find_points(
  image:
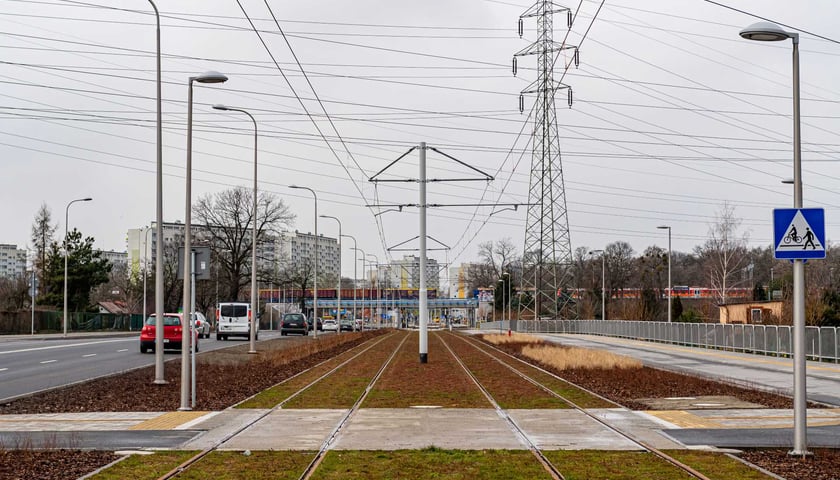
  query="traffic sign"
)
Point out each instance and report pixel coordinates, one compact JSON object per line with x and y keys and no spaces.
{"x":799,"y":233}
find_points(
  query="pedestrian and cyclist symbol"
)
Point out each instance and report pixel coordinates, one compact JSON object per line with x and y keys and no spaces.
{"x":799,"y":233}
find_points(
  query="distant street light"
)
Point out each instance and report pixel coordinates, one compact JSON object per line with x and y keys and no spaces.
{"x":254,"y":299}
{"x":770,"y":32}
{"x":145,"y":268}
{"x":356,"y":260}
{"x":378,"y":291}
{"x":670,"y":287}
{"x":315,"y":282}
{"x":66,"y":220}
{"x":355,"y":277}
{"x":603,"y":282}
{"x":186,"y":338}
{"x":338,"y":287}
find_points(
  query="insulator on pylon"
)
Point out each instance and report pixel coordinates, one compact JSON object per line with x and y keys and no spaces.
{"x":569,"y":18}
{"x":521,"y":28}
{"x":521,"y":103}
{"x":514,"y":66}
{"x":570,"y":97}
{"x":577,"y":58}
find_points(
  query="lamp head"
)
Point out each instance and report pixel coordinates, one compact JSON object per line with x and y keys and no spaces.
{"x":293,"y":186}
{"x":787,"y":181}
{"x":219,"y":106}
{"x":663,"y":227}
{"x":87,"y":199}
{"x":765,"y":32}
{"x":211,"y":77}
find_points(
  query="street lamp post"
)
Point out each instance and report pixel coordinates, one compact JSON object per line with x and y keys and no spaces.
{"x":770,"y":32}
{"x":338,"y":284}
{"x":159,"y":293}
{"x":186,"y":338}
{"x":315,"y":282}
{"x":363,"y":274}
{"x":378,"y":286}
{"x":603,"y":282}
{"x":355,"y":276}
{"x":670,"y":286}
{"x":145,"y":267}
{"x":66,"y":220}
{"x":254,"y":291}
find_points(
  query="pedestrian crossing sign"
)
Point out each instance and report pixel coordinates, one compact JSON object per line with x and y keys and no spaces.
{"x":799,"y":233}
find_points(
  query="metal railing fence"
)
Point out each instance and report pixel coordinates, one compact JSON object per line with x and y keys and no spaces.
{"x":821,"y":343}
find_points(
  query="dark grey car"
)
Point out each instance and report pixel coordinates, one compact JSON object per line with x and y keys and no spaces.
{"x":294,"y":323}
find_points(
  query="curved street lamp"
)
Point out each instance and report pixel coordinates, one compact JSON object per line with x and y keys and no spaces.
{"x":186,"y":338}
{"x":66,"y":220}
{"x":254,"y":299}
{"x":770,"y":32}
{"x":670,"y":286}
{"x":315,"y":276}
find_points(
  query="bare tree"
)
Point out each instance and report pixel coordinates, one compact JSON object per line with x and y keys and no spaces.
{"x":43,"y":231}
{"x":619,"y":265}
{"x":14,"y":293}
{"x":123,"y":285}
{"x":724,"y":253}
{"x":229,"y":218}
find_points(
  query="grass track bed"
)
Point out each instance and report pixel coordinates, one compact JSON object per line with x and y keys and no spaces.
{"x":269,"y":398}
{"x":407,"y":382}
{"x":342,"y":389}
{"x":613,"y":465}
{"x":259,"y":465}
{"x":145,"y":467}
{"x":505,"y":386}
{"x":431,"y":463}
{"x":716,"y":465}
{"x":566,"y":390}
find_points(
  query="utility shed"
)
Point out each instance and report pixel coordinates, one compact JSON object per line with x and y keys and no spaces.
{"x":750,"y":312}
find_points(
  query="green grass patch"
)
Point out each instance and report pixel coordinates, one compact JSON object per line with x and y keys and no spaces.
{"x":259,"y":465}
{"x":716,"y":465}
{"x":343,"y":388}
{"x":142,"y":467}
{"x":430,"y":463}
{"x":271,"y":397}
{"x":614,"y":465}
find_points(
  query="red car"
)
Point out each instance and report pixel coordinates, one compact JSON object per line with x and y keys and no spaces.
{"x":172,"y":333}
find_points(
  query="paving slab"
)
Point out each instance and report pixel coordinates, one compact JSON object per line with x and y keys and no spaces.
{"x":748,"y":418}
{"x":294,"y":429}
{"x":639,"y":425}
{"x":413,"y":428}
{"x":567,"y":429}
{"x":88,"y":421}
{"x":219,"y":425}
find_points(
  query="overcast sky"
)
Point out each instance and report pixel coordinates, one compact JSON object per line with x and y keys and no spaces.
{"x":674,"y":114}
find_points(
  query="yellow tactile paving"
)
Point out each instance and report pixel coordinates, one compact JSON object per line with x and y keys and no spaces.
{"x":168,"y":421}
{"x":684,"y":419}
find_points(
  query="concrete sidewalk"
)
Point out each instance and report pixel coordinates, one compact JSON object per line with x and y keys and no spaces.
{"x":411,"y":428}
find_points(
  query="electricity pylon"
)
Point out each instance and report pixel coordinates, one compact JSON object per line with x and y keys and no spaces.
{"x":547,"y":256}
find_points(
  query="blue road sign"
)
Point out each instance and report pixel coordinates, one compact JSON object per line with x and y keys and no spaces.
{"x":799,"y":233}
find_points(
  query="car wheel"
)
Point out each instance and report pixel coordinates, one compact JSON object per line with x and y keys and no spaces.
{"x":257,"y":336}
{"x":196,"y":345}
{"x":143,"y":349}
{"x":282,"y":334}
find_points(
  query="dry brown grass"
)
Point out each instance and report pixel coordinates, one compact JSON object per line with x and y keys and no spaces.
{"x":503,"y":339}
{"x":562,"y":357}
{"x":567,"y":358}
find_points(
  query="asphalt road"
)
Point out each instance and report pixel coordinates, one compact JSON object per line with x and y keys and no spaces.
{"x":30,"y":365}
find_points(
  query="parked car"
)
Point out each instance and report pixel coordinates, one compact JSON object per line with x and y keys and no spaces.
{"x":330,"y":325}
{"x":346,"y":325}
{"x":172,"y":333}
{"x":294,"y":323}
{"x":319,"y":322}
{"x":202,"y":326}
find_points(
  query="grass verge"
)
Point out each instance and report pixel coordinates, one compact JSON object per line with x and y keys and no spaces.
{"x":270,"y":397}
{"x":716,"y":465}
{"x":430,"y":463}
{"x":143,"y":467}
{"x":563,"y":357}
{"x":259,"y":465}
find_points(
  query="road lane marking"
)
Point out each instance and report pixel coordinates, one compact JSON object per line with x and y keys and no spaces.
{"x":3,"y":369}
{"x":123,"y":350}
{"x":49,"y":361}
{"x":132,"y":339}
{"x":89,"y":355}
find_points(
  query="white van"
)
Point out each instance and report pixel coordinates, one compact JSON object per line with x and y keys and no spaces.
{"x":233,"y":319}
